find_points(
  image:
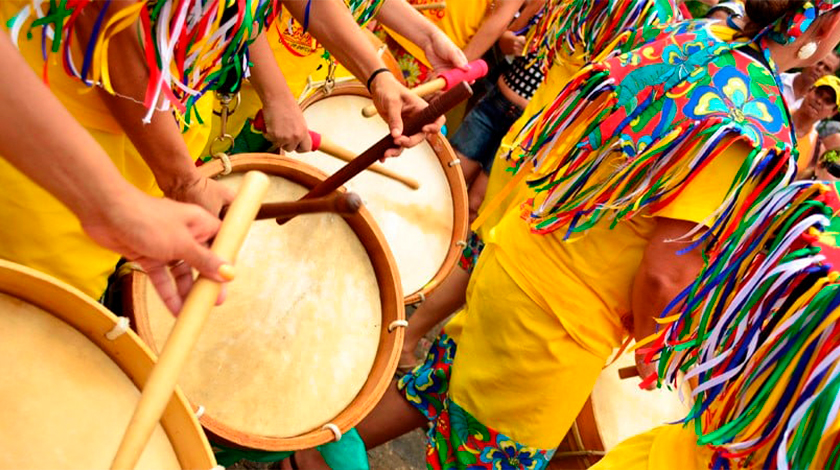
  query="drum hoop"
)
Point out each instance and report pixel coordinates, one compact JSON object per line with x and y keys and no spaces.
{"x":457,"y":187}
{"x":390,"y":343}
{"x":126,"y":350}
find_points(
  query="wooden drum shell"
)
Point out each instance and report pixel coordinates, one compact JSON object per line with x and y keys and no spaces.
{"x":389,"y":346}
{"x":451,"y":170}
{"x":127,"y":351}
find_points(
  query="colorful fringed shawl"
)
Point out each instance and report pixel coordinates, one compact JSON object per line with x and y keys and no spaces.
{"x":760,"y":332}
{"x":628,"y":133}
{"x":191,"y":46}
{"x":589,"y":28}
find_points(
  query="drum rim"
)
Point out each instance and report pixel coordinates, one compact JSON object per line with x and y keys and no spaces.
{"x":390,"y":343}
{"x":127,"y":351}
{"x":457,"y":188}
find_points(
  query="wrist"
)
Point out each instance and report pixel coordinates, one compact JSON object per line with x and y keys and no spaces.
{"x":176,"y":183}
{"x":377,"y":77}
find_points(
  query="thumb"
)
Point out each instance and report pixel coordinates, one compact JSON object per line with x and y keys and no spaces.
{"x":395,"y":122}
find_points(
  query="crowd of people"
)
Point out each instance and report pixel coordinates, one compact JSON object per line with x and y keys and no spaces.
{"x":631,"y":175}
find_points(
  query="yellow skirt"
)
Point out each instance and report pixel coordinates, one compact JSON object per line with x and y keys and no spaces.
{"x":517,"y":370}
{"x":663,"y":448}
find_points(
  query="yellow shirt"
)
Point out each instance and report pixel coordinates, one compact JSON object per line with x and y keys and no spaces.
{"x":586,"y":283}
{"x":556,"y":79}
{"x":37,"y":230}
{"x":460,"y":21}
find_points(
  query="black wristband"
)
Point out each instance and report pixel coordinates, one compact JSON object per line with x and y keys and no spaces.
{"x":374,"y":74}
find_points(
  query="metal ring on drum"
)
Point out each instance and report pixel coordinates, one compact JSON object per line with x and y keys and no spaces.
{"x":301,"y":347}
{"x":72,"y":376}
{"x":422,"y":226}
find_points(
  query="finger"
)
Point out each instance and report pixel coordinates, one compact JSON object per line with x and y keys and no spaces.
{"x":207,"y":263}
{"x":305,"y":145}
{"x":222,"y":295}
{"x":162,"y":282}
{"x":182,"y":273}
{"x":395,"y":123}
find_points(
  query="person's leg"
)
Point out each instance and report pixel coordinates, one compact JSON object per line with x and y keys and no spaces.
{"x":469,"y":167}
{"x":441,"y":303}
{"x":392,"y":417}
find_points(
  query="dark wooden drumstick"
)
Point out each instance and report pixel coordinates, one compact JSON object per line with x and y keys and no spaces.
{"x":412,"y":125}
{"x":341,"y":203}
{"x":628,"y":372}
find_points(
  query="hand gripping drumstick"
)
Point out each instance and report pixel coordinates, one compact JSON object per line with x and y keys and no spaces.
{"x":162,"y":381}
{"x":413,"y":125}
{"x":445,"y":81}
{"x":325,"y":145}
{"x":340,"y":203}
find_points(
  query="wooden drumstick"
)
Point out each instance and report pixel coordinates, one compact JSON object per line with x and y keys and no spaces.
{"x":412,"y":125}
{"x":475,"y":70}
{"x":340,"y":203}
{"x":430,"y":6}
{"x":323,"y":144}
{"x":163,"y":378}
{"x":319,"y":142}
{"x":628,"y":372}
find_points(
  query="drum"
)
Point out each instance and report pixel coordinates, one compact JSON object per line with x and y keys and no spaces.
{"x":308,"y":339}
{"x":617,"y":410}
{"x":71,"y":380}
{"x":423,"y":227}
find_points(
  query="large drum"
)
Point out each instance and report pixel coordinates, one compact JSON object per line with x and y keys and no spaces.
{"x":617,"y":410}
{"x":308,"y":338}
{"x":423,"y":227}
{"x":71,"y":380}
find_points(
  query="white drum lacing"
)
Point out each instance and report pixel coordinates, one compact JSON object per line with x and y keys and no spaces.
{"x":118,"y":330}
{"x":332,"y":427}
{"x":397,"y":324}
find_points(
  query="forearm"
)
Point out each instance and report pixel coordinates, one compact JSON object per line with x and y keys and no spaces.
{"x":40,"y":138}
{"x":332,"y":25}
{"x":491,"y":29}
{"x":266,"y":76}
{"x":159,"y":142}
{"x":406,"y":21}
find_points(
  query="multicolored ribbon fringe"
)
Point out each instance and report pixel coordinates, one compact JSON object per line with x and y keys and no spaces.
{"x":191,"y":46}
{"x":589,"y":28}
{"x":760,"y":333}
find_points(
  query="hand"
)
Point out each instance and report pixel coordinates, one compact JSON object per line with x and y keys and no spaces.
{"x":443,"y":54}
{"x":645,"y":370}
{"x":157,"y":232}
{"x":392,"y":100}
{"x":287,"y":128}
{"x":202,"y":191}
{"x":511,"y":44}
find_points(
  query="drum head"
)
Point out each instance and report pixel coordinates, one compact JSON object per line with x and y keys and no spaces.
{"x":297,"y":343}
{"x":69,"y":392}
{"x":422,"y":226}
{"x":623,"y":410}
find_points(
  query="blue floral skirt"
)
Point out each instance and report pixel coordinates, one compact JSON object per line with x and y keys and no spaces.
{"x":456,"y":439}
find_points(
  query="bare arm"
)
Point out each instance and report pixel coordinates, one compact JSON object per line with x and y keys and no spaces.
{"x":662,"y":275}
{"x":284,"y":121}
{"x":335,"y":28}
{"x":441,"y":52}
{"x":492,"y":28}
{"x":159,"y":142}
{"x":40,"y":138}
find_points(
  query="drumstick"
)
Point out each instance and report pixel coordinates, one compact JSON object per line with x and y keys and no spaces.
{"x":475,"y":70}
{"x":413,"y":124}
{"x":430,"y":6}
{"x":324,"y":144}
{"x":319,"y":142}
{"x":628,"y":372}
{"x":164,"y":376}
{"x":340,"y":203}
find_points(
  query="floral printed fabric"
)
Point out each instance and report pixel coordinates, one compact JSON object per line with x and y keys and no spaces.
{"x":414,"y":72}
{"x":456,"y":439}
{"x":469,"y":255}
